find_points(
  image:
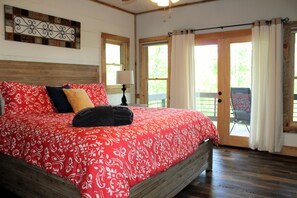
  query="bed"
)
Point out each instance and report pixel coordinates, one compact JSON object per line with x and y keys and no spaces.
{"x":156,"y":156}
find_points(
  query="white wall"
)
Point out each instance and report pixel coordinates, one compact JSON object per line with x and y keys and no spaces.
{"x":217,"y":13}
{"x":94,"y":18}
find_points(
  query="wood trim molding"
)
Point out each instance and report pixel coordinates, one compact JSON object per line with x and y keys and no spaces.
{"x":112,"y":6}
{"x":289,"y":150}
{"x":115,"y":37}
{"x":136,"y":91}
{"x":154,"y":39}
{"x":143,"y":74}
{"x":175,"y":6}
{"x":288,"y":75}
{"x":211,"y":38}
{"x":154,"y":10}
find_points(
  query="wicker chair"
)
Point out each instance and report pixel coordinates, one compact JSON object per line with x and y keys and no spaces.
{"x":241,"y":106}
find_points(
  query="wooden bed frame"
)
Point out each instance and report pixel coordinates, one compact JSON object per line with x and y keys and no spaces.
{"x":31,"y":181}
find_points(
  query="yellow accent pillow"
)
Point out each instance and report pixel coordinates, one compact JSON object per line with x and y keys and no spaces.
{"x":78,"y":99}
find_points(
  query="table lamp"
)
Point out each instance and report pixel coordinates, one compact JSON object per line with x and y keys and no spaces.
{"x":125,"y":77}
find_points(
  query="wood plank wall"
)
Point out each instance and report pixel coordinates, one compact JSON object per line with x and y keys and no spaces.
{"x":40,"y":73}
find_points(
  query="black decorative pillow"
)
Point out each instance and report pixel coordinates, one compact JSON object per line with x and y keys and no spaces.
{"x":59,"y":98}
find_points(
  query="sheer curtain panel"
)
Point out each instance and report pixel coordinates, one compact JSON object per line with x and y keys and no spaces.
{"x":182,"y":85}
{"x":267,"y":105}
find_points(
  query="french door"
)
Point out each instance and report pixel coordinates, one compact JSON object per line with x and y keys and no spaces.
{"x":223,"y":63}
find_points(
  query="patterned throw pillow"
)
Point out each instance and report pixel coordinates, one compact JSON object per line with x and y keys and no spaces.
{"x":78,"y":98}
{"x":21,"y":99}
{"x":96,"y":92}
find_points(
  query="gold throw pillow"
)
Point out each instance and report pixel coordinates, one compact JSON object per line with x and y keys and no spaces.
{"x":78,"y":99}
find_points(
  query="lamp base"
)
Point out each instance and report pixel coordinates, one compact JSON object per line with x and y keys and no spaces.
{"x":124,"y":100}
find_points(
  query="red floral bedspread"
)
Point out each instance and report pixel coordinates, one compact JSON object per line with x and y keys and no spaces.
{"x":106,"y":161}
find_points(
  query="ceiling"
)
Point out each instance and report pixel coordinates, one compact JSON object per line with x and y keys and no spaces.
{"x":142,"y":6}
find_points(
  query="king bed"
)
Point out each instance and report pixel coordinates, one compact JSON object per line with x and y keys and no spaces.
{"x":43,"y":155}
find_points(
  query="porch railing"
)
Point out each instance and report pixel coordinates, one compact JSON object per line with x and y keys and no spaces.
{"x":157,"y":100}
{"x":295,"y":108}
{"x":207,"y":104}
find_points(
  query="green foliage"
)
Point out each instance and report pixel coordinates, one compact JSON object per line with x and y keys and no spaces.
{"x":206,"y":59}
{"x":240,"y":69}
{"x":206,"y":68}
{"x":158,"y":61}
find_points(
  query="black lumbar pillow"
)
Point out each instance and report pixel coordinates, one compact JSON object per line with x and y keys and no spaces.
{"x":59,"y":98}
{"x":103,"y":116}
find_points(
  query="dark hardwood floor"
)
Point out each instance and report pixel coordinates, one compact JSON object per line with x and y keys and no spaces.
{"x":241,"y":173}
{"x":246,"y":173}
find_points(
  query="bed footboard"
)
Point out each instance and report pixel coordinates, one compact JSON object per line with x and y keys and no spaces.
{"x":173,"y":180}
{"x":31,"y":181}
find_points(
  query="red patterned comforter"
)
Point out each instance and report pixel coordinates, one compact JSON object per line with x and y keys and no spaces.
{"x":106,"y":161}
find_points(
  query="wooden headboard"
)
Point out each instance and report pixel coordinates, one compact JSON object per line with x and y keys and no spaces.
{"x":39,"y":73}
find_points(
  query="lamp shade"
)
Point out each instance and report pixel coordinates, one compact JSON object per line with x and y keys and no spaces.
{"x":125,"y":77}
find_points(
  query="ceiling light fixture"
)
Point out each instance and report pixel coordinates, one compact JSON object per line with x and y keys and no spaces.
{"x":164,"y":3}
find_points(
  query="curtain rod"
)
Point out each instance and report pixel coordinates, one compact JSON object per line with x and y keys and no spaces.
{"x":285,"y":20}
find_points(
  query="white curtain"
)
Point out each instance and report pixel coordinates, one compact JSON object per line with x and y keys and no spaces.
{"x":267,"y":104}
{"x":182,"y":85}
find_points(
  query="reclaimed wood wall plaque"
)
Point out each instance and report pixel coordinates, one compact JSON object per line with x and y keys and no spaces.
{"x":33,"y":27}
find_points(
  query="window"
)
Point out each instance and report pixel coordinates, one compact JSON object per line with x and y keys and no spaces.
{"x":114,"y":57}
{"x":290,"y":77}
{"x":154,"y":72}
{"x":157,"y":75}
{"x":113,"y":63}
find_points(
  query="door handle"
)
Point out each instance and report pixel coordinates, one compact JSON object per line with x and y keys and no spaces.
{"x":220,"y":93}
{"x":219,"y":100}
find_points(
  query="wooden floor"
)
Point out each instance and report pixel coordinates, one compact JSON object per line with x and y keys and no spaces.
{"x":246,"y":173}
{"x":242,"y":173}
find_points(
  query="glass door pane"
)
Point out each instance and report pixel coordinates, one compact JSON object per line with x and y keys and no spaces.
{"x":206,"y":80}
{"x":240,"y":84}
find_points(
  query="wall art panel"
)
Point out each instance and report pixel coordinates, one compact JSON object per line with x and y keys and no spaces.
{"x":32,"y":27}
